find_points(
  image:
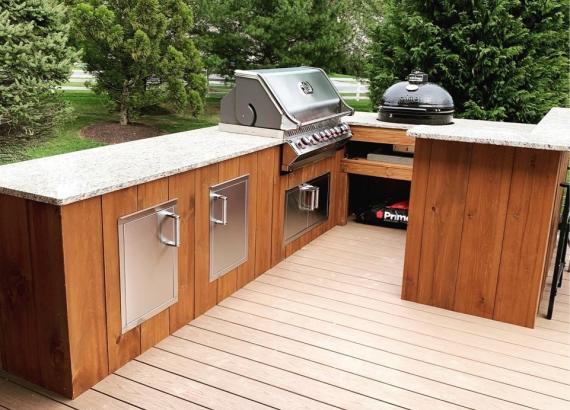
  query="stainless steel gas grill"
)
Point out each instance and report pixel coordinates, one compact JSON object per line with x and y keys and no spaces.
{"x":299,"y":105}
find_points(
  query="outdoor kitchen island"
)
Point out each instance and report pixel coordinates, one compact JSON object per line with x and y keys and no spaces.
{"x":73,"y":226}
{"x":484,"y":211}
{"x":60,"y":298}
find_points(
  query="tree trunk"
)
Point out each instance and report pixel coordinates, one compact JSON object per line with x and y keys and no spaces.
{"x":124,"y":104}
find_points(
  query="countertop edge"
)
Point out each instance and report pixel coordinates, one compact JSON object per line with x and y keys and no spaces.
{"x":498,"y":142}
{"x":548,"y":134}
{"x":127,"y":184}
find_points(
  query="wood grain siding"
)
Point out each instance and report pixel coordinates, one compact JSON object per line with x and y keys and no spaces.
{"x":121,"y":347}
{"x":248,"y":166}
{"x":479,"y":228}
{"x":483,"y":228}
{"x":182,"y":188}
{"x":157,"y":327}
{"x":268,"y":162}
{"x":361,"y":166}
{"x":18,"y":325}
{"x":443,"y":222}
{"x":341,"y":216}
{"x":416,"y":215}
{"x":206,"y":293}
{"x":85,"y":286}
{"x":381,"y":135}
{"x":529,"y":213}
{"x":46,"y":244}
{"x":280,"y":185}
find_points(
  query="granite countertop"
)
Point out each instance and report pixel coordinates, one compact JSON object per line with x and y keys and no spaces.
{"x":370,"y":119}
{"x":479,"y":132}
{"x":551,"y":133}
{"x":68,"y":178}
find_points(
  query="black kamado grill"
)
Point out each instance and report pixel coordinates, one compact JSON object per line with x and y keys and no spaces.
{"x":416,"y":101}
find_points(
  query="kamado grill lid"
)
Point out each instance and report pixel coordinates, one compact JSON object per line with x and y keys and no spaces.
{"x":416,"y":101}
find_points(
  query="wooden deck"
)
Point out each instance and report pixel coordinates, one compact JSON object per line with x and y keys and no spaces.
{"x":327,"y":328}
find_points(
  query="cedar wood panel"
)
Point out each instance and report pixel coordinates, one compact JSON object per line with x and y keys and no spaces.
{"x":479,"y":227}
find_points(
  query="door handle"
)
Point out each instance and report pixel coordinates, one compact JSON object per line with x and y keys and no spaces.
{"x":316,"y":192}
{"x":176,"y":219}
{"x":308,"y":197}
{"x":224,"y":199}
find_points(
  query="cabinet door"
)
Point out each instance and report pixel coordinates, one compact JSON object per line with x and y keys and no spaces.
{"x":296,"y":217}
{"x":148,"y":249}
{"x":228,"y":226}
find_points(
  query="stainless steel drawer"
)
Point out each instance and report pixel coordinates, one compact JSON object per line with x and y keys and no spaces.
{"x":228,"y":226}
{"x":148,"y":251}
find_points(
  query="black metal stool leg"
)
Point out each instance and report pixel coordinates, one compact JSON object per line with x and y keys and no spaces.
{"x":560,"y":252}
{"x":563,"y":258}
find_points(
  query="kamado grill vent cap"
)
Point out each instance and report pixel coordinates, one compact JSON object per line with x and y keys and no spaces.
{"x":416,"y":101}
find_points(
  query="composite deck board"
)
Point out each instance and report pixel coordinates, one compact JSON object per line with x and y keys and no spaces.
{"x":401,"y":330}
{"x":326,"y":328}
{"x":371,"y":346}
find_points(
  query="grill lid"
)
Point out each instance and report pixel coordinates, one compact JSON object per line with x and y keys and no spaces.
{"x":416,"y":101}
{"x":282,"y":98}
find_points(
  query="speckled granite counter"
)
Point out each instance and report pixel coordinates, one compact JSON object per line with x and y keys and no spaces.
{"x":479,"y":132}
{"x":370,"y":119}
{"x":68,"y":178}
{"x":551,"y":133}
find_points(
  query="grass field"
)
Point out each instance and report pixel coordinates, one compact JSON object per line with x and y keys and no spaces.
{"x":91,"y":108}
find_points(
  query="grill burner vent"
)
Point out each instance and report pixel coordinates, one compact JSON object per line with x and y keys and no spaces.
{"x":416,"y":101}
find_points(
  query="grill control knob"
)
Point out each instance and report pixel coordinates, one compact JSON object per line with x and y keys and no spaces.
{"x":338,"y":130}
{"x":300,"y":144}
{"x":316,"y":137}
{"x":328,"y":133}
{"x":306,"y":140}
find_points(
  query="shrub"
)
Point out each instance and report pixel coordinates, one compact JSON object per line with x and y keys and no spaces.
{"x":499,"y":59}
{"x":34,"y":60}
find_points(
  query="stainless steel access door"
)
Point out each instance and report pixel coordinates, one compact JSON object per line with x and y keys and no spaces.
{"x":306,"y":205}
{"x":148,"y":252}
{"x":228,"y":226}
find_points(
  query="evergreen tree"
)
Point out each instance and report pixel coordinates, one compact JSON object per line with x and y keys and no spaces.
{"x":258,"y":33}
{"x":499,"y":59}
{"x":34,"y":60}
{"x":141,"y":53}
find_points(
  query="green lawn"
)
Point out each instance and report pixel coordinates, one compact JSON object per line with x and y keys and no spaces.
{"x":362,"y":105}
{"x":90,"y":108}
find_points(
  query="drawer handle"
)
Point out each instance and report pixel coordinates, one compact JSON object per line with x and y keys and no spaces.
{"x":176,"y":219}
{"x":224,"y":199}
